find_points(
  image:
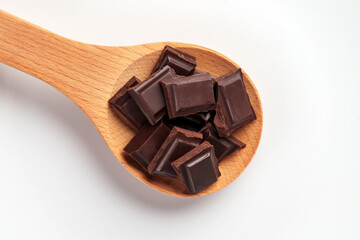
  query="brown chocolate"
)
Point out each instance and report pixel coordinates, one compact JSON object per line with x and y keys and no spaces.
{"x":188,"y":95}
{"x":198,"y":168}
{"x":223,"y":145}
{"x":149,"y":96}
{"x":181,"y":62}
{"x":178,"y":142}
{"x":233,"y":107}
{"x":143,"y":147}
{"x":125,"y":106}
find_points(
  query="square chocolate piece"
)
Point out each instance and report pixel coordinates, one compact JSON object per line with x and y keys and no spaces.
{"x":189,"y":95}
{"x":181,"y":62}
{"x":223,"y":146}
{"x":233,"y":107}
{"x":179,"y":142}
{"x":149,"y":96}
{"x":143,"y":147}
{"x":198,"y":168}
{"x":124,"y":105}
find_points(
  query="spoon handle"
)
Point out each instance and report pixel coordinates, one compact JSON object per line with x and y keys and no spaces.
{"x":80,"y":71}
{"x":34,"y":50}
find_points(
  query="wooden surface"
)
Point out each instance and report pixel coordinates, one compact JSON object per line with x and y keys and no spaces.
{"x":89,"y":75}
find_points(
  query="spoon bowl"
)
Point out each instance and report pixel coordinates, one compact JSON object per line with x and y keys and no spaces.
{"x":90,"y":75}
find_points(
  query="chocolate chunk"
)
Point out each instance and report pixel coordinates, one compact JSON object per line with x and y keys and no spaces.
{"x":233,"y":107}
{"x":181,"y":62}
{"x":198,"y":168}
{"x":124,"y":105}
{"x":223,"y":146}
{"x":149,"y":96}
{"x":189,"y":95}
{"x":193,"y":122}
{"x":143,"y":147}
{"x":178,"y":142}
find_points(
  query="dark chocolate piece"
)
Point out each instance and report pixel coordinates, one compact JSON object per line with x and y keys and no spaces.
{"x":143,"y":147}
{"x":192,"y":122}
{"x":124,"y":105}
{"x":149,"y":96}
{"x":223,"y":146}
{"x":233,"y":107}
{"x":198,"y":168}
{"x":189,"y":95}
{"x":181,"y":62}
{"x":179,"y":142}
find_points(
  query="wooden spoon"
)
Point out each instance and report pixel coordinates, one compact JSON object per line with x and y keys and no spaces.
{"x":90,"y":74}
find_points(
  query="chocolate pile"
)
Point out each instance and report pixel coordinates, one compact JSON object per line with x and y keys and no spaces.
{"x":184,"y":118}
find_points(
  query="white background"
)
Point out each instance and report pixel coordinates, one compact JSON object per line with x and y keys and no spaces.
{"x":58,"y":179}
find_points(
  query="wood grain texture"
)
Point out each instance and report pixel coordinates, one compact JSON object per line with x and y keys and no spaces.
{"x":90,"y":74}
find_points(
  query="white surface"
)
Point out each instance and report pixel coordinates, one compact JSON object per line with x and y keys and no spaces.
{"x":58,"y":179}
